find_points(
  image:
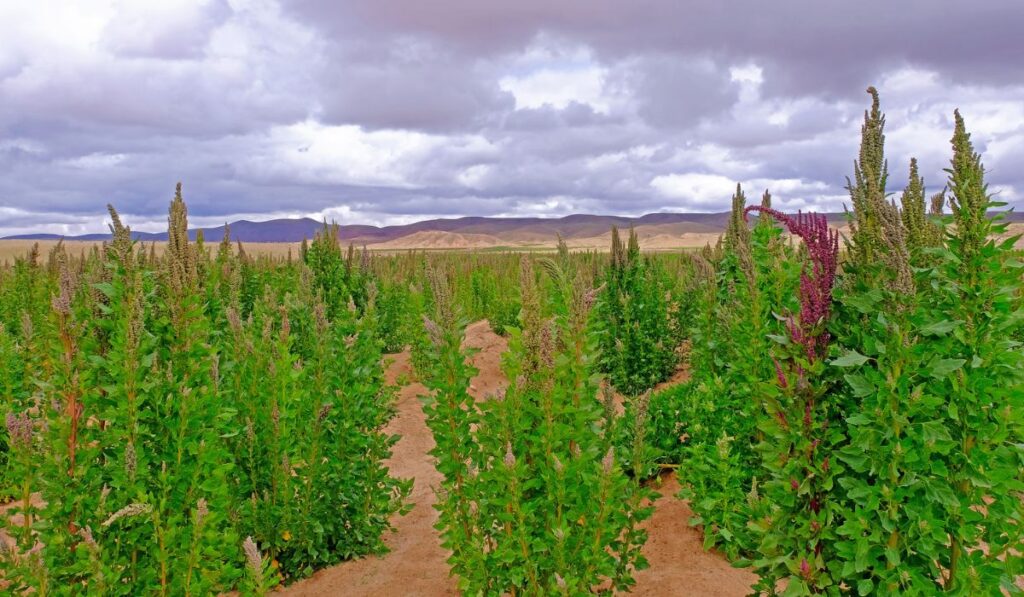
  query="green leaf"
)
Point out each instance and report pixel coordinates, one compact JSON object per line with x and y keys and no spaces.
{"x":943,"y":367}
{"x":934,"y":431}
{"x":865,"y":586}
{"x":941,"y":493}
{"x":106,"y":288}
{"x":859,"y":384}
{"x":864,"y":302}
{"x":852,"y":358}
{"x":859,"y":419}
{"x":860,"y":558}
{"x":939,"y":328}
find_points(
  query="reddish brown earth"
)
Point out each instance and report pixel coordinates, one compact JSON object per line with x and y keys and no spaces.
{"x":416,"y":566}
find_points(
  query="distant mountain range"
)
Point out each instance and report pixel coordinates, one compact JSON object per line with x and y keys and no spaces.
{"x":294,"y":230}
{"x":492,"y":230}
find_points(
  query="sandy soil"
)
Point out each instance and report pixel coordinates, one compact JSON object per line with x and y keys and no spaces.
{"x":416,"y":566}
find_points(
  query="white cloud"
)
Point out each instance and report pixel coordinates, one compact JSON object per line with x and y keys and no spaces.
{"x":700,"y":190}
{"x":95,"y":161}
{"x":558,"y":87}
{"x":312,"y":153}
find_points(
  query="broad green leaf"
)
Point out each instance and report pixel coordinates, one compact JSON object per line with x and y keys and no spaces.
{"x":939,"y":328}
{"x":934,"y":431}
{"x":943,"y":367}
{"x":852,"y":358}
{"x":859,"y":384}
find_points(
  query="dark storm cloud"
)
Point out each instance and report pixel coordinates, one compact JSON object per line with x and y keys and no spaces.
{"x":386,"y":110}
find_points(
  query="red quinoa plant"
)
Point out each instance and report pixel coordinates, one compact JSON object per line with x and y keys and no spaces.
{"x":799,"y":430}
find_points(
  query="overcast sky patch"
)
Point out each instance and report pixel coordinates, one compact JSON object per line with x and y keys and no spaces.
{"x":390,"y":112}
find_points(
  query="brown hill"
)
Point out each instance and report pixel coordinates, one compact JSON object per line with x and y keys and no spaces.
{"x":437,"y":239}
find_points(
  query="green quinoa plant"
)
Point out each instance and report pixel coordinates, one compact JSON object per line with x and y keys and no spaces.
{"x":730,"y":354}
{"x":933,"y":459}
{"x":534,"y":499}
{"x":152,"y":438}
{"x":259,"y":574}
{"x":331,"y":272}
{"x":12,"y":398}
{"x":638,"y":347}
{"x":310,"y":485}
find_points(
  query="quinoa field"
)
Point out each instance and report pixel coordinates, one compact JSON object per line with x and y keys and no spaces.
{"x":792,"y":410}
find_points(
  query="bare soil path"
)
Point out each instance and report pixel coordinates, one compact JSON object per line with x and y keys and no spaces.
{"x":416,"y":567}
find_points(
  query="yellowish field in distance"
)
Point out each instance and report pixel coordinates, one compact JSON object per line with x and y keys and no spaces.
{"x":651,"y":239}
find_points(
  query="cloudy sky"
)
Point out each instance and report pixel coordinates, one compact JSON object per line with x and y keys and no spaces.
{"x":390,"y":111}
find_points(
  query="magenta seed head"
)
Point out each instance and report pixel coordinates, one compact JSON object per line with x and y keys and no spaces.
{"x":816,"y":280}
{"x":780,"y":375}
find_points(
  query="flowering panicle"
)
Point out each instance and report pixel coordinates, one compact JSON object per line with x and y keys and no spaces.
{"x":738,"y":237}
{"x":442,"y":298}
{"x":969,"y":198}
{"x":590,"y":297}
{"x":364,"y":261}
{"x":181,"y":261}
{"x":510,"y":458}
{"x":703,"y":270}
{"x":127,"y":512}
{"x":86,"y":534}
{"x":202,"y":511}
{"x":896,"y":255}
{"x":130,"y":460}
{"x":608,"y":462}
{"x":66,"y":288}
{"x":618,"y":251}
{"x":867,"y":189}
{"x":913,"y":209}
{"x":938,"y":202}
{"x":27,"y":330}
{"x":434,"y":332}
{"x":816,"y":280}
{"x":253,"y":557}
{"x":19,"y":430}
{"x":121,"y":236}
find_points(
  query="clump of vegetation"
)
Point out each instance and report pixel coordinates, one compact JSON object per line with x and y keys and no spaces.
{"x":168,"y":418}
{"x":637,"y":338}
{"x":933,"y":375}
{"x":534,"y":498}
{"x":734,"y":293}
{"x":855,"y":426}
